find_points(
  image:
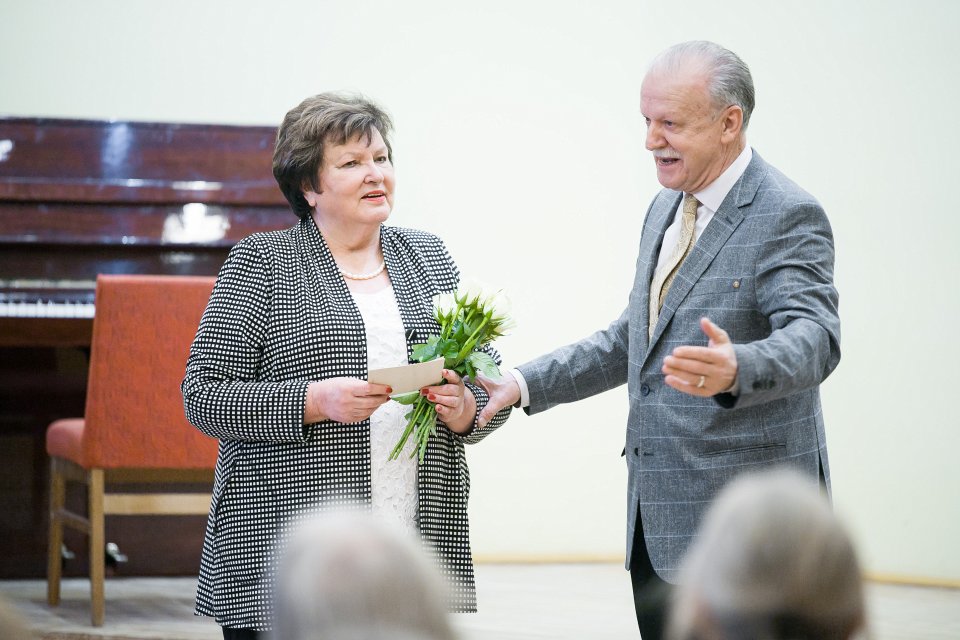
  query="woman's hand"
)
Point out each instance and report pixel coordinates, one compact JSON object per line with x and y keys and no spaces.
{"x":344,"y":400}
{"x":455,"y":404}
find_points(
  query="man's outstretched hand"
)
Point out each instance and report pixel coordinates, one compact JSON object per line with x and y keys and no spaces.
{"x":703,"y":371}
{"x":503,"y":392}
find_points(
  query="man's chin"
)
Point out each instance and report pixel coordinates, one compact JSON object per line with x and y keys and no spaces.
{"x":669,"y":179}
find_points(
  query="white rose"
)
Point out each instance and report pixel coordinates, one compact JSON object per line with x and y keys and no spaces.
{"x":444,"y":303}
{"x":500,"y":303}
{"x":473,"y":291}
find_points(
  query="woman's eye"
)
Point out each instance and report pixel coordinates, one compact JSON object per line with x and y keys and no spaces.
{"x":382,"y":159}
{"x":349,"y":163}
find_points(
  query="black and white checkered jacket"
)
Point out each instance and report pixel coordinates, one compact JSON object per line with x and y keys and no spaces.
{"x":279,"y":317}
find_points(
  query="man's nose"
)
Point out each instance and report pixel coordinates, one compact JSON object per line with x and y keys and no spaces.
{"x":654,"y":138}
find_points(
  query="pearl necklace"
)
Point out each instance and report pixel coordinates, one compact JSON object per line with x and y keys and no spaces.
{"x":363,"y":276}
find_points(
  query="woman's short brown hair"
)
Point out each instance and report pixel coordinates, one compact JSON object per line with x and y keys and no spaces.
{"x":306,"y":129}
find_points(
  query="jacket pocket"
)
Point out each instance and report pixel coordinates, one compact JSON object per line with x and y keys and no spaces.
{"x":747,"y":449}
{"x":718,"y":286}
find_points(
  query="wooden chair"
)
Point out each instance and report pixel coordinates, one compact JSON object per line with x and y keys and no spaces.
{"x":134,"y":429}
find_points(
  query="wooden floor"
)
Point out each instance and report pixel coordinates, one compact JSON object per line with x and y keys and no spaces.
{"x":517,"y":602}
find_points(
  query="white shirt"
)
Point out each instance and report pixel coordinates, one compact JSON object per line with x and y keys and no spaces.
{"x":393,"y":483}
{"x":710,"y":199}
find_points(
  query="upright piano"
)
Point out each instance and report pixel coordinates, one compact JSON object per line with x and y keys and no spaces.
{"x":83,"y":197}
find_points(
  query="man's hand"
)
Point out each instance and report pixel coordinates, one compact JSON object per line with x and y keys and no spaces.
{"x":703,"y":371}
{"x":503,"y":393}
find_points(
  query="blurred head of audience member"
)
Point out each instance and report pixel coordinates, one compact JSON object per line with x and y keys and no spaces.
{"x":771,"y":562}
{"x":12,"y":625}
{"x":347,"y":576}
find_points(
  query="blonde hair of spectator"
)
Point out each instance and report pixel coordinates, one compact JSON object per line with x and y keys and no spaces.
{"x":347,"y":576}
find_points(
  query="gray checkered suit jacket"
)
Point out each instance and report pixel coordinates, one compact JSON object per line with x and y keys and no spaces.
{"x":763,"y":271}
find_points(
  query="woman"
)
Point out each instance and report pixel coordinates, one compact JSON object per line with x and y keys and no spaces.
{"x":277,"y":370}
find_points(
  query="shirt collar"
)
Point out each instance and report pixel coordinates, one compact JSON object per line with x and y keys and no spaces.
{"x":713,"y":194}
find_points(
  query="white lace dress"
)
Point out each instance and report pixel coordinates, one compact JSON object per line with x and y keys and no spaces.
{"x":393,"y":482}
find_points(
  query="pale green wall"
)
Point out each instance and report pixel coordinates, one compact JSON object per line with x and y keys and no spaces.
{"x":519,"y":141}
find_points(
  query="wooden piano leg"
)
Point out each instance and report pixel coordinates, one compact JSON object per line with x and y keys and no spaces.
{"x":55,"y":538}
{"x":97,"y":541}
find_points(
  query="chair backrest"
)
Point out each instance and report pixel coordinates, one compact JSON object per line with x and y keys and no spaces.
{"x":142,"y":332}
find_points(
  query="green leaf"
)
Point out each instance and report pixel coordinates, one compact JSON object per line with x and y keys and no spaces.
{"x":448,"y":350}
{"x":406,"y":398}
{"x":427,"y":351}
{"x":482,"y":362}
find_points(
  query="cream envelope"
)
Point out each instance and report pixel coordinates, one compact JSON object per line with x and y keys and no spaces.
{"x":410,"y":377}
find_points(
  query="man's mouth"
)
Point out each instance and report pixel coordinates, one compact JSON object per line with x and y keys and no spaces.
{"x":666,"y":162}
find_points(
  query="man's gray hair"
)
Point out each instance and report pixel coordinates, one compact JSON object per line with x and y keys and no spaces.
{"x":730,"y":79}
{"x":347,"y":576}
{"x":771,"y":561}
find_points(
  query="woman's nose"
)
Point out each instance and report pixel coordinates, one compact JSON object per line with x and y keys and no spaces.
{"x":374,"y":174}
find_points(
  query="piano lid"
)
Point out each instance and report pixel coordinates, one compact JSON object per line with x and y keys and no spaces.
{"x":83,"y":197}
{"x":89,"y":182}
{"x":136,"y":162}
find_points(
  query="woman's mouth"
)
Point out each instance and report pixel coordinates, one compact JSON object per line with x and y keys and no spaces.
{"x":374,"y":195}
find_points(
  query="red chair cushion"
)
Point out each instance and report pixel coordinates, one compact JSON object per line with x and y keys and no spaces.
{"x":64,"y":439}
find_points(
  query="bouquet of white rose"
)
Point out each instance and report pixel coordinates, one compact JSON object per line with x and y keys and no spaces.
{"x":469,"y":318}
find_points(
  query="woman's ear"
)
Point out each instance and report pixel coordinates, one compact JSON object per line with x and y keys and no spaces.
{"x":309,"y":194}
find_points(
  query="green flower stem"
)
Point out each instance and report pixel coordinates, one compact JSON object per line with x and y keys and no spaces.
{"x":445,"y":329}
{"x":420,"y":412}
{"x":426,"y":426}
{"x":421,"y":425}
{"x":471,"y":342}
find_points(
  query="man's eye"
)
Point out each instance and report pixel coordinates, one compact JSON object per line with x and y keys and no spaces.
{"x":647,"y":120}
{"x":668,"y":123}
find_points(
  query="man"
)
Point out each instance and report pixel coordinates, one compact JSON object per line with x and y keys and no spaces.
{"x":731,"y":326}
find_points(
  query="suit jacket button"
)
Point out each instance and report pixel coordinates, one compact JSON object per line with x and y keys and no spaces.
{"x":644,"y":389}
{"x":736,"y":284}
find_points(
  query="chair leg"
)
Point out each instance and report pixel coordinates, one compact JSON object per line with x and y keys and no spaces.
{"x":97,"y":541}
{"x":55,"y":536}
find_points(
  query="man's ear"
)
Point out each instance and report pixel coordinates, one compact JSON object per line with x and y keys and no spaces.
{"x":732,"y":122}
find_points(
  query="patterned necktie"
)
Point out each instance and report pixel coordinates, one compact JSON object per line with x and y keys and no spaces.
{"x":664,"y":276}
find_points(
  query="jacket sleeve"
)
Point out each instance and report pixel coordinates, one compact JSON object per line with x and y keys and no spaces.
{"x":221,"y":393}
{"x":593,"y":365}
{"x":795,"y":292}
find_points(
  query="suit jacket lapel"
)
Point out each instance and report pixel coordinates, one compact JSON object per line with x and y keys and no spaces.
{"x":714,"y":237}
